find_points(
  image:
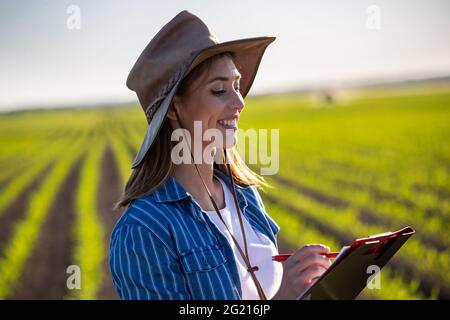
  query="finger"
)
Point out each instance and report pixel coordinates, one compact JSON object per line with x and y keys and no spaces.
{"x":313,"y":259}
{"x":312,"y":272}
{"x":308,"y":249}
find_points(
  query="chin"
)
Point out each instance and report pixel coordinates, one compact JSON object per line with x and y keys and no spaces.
{"x":230,"y":142}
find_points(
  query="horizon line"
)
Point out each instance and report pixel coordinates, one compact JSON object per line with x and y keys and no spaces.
{"x":355,"y":84}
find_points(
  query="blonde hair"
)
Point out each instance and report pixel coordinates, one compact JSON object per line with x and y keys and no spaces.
{"x":157,"y":166}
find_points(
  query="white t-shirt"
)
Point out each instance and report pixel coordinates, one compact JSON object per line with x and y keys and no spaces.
{"x":260,"y":250}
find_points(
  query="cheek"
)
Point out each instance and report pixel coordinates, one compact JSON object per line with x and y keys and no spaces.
{"x":212,"y":111}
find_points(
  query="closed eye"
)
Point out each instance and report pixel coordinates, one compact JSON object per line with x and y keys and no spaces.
{"x":220,"y":92}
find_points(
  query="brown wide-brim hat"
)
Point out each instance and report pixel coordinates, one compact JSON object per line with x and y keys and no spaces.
{"x":180,"y":46}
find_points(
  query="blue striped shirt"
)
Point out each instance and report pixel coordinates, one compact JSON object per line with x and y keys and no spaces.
{"x":165,"y":247}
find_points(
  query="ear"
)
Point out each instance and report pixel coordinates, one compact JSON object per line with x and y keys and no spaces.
{"x":171,"y":112}
{"x":175,"y":104}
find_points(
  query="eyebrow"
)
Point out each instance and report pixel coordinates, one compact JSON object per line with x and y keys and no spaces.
{"x":222,"y":78}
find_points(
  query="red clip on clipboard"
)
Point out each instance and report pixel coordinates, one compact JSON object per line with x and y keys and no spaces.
{"x":349,"y":273}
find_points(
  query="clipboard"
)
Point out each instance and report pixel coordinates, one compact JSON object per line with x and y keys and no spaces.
{"x":348,"y":276}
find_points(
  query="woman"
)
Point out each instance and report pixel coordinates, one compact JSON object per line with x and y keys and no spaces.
{"x":198,"y":229}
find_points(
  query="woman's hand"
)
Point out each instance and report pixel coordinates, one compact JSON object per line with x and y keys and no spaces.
{"x":301,"y":269}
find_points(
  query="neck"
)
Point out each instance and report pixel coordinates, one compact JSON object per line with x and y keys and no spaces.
{"x":189,"y":178}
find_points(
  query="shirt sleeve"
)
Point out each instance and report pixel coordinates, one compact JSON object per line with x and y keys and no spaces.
{"x":144,"y":268}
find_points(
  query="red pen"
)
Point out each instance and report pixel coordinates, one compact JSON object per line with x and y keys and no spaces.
{"x":284,"y":256}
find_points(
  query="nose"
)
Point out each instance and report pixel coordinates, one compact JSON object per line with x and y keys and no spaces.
{"x":238,"y":102}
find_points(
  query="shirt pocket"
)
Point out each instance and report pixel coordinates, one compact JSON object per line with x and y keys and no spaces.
{"x":202,"y":259}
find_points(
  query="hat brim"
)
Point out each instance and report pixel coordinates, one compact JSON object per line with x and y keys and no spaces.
{"x":248,"y":54}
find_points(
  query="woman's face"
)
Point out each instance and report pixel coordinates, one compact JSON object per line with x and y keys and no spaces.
{"x":215,"y":100}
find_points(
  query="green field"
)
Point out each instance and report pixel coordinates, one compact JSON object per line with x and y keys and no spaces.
{"x":367,"y":163}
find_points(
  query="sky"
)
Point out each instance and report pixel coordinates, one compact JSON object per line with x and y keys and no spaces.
{"x":47,"y":61}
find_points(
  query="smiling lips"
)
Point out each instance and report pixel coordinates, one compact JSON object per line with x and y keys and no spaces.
{"x":228,"y":124}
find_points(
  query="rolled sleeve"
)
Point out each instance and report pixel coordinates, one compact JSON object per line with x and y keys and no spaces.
{"x":143,"y":267}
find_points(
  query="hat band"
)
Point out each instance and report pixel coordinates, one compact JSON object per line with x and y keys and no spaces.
{"x":153,"y":107}
{"x":162,"y":94}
